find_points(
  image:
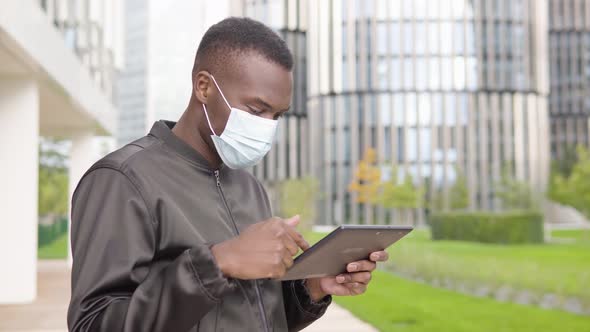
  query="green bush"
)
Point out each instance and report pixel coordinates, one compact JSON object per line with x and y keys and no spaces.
{"x":505,"y":227}
{"x":49,"y":233}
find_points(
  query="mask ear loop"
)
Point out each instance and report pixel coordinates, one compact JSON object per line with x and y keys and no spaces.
{"x":218,"y":88}
{"x":208,"y":122}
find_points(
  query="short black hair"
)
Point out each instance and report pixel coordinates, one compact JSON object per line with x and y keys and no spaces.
{"x":237,"y":35}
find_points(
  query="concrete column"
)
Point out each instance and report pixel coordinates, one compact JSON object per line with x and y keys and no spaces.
{"x":19,"y":137}
{"x":82,"y":155}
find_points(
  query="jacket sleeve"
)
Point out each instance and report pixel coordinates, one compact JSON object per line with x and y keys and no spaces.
{"x":117,"y":282}
{"x":300,"y":309}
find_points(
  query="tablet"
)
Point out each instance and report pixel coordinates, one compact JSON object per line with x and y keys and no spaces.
{"x":344,"y":245}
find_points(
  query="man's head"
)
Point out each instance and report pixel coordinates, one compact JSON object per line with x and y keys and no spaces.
{"x":252,"y":66}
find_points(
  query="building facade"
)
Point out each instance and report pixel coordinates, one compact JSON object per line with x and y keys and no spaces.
{"x":57,"y":59}
{"x":437,"y":87}
{"x":569,"y":56}
{"x":289,"y":157}
{"x":161,"y":40}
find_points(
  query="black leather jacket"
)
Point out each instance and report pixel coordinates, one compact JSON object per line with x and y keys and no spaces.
{"x":143,"y":219}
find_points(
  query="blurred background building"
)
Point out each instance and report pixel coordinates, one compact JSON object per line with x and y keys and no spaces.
{"x":569,"y":55}
{"x":289,"y":157}
{"x":57,"y":63}
{"x":436,"y":87}
{"x":161,"y":39}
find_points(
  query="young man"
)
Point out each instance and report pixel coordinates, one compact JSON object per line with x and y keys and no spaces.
{"x":170,"y":234}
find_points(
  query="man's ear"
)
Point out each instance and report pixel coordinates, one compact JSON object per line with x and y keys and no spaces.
{"x":201,"y":85}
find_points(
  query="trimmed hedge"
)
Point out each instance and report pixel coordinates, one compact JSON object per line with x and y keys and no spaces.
{"x":505,"y":227}
{"x":49,"y":233}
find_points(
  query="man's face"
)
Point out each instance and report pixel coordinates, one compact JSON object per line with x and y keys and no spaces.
{"x":255,"y":85}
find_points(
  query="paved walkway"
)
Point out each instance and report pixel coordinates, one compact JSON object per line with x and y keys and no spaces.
{"x":48,"y":312}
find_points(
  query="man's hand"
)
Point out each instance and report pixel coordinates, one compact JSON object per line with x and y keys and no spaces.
{"x":347,"y":284}
{"x":263,"y":250}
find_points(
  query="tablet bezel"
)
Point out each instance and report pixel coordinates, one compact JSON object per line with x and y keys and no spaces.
{"x":340,"y":229}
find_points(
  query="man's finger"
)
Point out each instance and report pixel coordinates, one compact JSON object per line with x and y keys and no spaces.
{"x":287,"y":259}
{"x":295,"y":235}
{"x":293,"y":221}
{"x":290,"y":244}
{"x":362,"y":277}
{"x":379,"y":256}
{"x":356,"y":288}
{"x":359,"y":266}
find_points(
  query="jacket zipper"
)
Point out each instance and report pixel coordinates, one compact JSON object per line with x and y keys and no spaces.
{"x":256,"y":287}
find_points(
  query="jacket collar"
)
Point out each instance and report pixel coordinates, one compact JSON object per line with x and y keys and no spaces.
{"x":163,"y":130}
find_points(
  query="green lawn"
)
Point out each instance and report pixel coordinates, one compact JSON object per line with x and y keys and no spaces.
{"x":562,"y":269}
{"x":57,"y":249}
{"x":392,"y":303}
{"x":578,"y":235}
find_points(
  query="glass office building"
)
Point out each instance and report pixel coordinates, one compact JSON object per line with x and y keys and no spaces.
{"x":289,"y":157}
{"x":436,"y":87}
{"x":569,"y":55}
{"x":161,"y":40}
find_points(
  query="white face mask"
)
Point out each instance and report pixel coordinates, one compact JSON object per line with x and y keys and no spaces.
{"x":246,"y":139}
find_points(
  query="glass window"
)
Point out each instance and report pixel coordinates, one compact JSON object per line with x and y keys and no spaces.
{"x":421,"y":8}
{"x":518,"y":40}
{"x":401,"y":144}
{"x":382,"y":78}
{"x":446,"y":38}
{"x":275,"y":20}
{"x":408,"y":38}
{"x":347,"y":144}
{"x":395,"y":8}
{"x":459,"y":72}
{"x":424,"y":113}
{"x":450,"y":109}
{"x":381,"y":9}
{"x":421,"y":73}
{"x":411,"y":109}
{"x":387,"y":143}
{"x":445,"y":9}
{"x":471,"y":73}
{"x":396,"y":74}
{"x":384,"y":109}
{"x":412,"y":144}
{"x":437,"y":111}
{"x":421,"y":38}
{"x":357,"y":10}
{"x":432,"y":10}
{"x":408,"y":73}
{"x":458,"y":8}
{"x":382,"y":38}
{"x":434,"y":71}
{"x":459,"y":38}
{"x":346,"y":101}
{"x":396,"y":44}
{"x":398,"y":109}
{"x":425,"y":144}
{"x":462,"y":111}
{"x":446,"y":73}
{"x":469,"y":40}
{"x":433,"y":38}
{"x":407,"y":9}
{"x":367,"y":6}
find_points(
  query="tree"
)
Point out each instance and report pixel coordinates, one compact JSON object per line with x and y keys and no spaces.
{"x":404,"y":195}
{"x":298,"y":196}
{"x":458,"y":195}
{"x":367,"y":179}
{"x":565,"y":164}
{"x":515,"y":194}
{"x":574,"y":190}
{"x":53,"y":178}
